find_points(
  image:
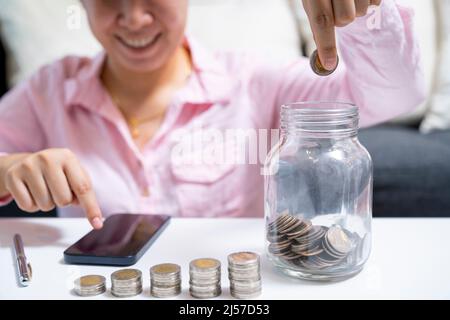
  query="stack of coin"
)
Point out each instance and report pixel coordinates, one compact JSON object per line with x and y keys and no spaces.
{"x":91,"y":285}
{"x":126,"y":283}
{"x":165,"y":280}
{"x":205,"y":278}
{"x":244,"y":274}
{"x":297,"y":241}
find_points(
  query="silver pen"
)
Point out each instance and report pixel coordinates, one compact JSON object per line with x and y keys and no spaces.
{"x":24,"y":268}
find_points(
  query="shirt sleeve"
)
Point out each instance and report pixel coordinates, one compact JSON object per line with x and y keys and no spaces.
{"x":379,"y":71}
{"x":20,"y":129}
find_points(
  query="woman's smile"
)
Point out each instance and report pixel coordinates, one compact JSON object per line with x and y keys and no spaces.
{"x":138,"y":46}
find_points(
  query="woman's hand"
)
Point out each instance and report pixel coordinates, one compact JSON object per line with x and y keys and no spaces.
{"x":325,"y":15}
{"x":52,"y":178}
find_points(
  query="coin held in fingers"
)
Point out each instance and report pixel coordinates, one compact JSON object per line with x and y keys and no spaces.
{"x":317,"y":66}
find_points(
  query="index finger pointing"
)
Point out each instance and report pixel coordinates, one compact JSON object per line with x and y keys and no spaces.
{"x":81,"y":186}
{"x":321,"y":17}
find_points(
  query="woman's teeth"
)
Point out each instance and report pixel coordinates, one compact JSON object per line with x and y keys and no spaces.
{"x":138,"y":43}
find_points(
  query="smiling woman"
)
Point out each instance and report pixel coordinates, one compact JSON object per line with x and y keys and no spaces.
{"x":94,"y":136}
{"x":137,"y":36}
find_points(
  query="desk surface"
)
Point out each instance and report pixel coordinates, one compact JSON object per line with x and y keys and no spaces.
{"x":410,"y":259}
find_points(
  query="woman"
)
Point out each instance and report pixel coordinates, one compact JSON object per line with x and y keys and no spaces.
{"x":98,"y":133}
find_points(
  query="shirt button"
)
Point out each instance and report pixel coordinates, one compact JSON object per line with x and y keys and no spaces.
{"x":145,"y":192}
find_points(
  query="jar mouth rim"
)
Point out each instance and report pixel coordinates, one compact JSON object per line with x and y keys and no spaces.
{"x":332,"y":118}
{"x":322,"y":106}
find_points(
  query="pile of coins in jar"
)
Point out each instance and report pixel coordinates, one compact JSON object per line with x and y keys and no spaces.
{"x":298,"y":242}
{"x":165,"y":279}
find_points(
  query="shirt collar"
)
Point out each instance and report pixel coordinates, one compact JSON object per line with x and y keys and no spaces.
{"x":209,"y":84}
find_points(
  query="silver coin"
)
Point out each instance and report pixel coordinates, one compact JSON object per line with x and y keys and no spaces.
{"x":279,"y":219}
{"x":239,"y":295}
{"x":338,"y":240}
{"x":206,"y":295}
{"x":302,"y":230}
{"x":289,"y":225}
{"x":165,"y":292}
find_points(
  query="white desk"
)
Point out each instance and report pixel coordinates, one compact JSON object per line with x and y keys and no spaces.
{"x":410,"y":259}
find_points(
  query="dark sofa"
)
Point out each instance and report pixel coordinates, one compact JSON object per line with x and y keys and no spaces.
{"x":411,"y":170}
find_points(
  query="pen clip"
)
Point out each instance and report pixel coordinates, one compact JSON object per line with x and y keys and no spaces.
{"x":30,"y":271}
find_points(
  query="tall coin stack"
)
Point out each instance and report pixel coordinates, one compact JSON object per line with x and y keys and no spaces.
{"x":244,"y":274}
{"x":205,"y":278}
{"x":91,"y":285}
{"x":165,"y":280}
{"x":126,"y":283}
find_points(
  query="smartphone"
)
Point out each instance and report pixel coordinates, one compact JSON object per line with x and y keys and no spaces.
{"x":122,"y":241}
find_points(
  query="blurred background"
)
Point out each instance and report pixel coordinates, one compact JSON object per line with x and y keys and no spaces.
{"x":411,"y":155}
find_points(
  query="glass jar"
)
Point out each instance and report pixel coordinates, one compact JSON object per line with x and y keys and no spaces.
{"x":318,"y":193}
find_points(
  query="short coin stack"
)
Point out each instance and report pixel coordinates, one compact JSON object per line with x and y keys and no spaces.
{"x":205,"y":278}
{"x":297,"y":241}
{"x":244,"y":274}
{"x":91,"y":285}
{"x":165,"y":280}
{"x":126,"y":283}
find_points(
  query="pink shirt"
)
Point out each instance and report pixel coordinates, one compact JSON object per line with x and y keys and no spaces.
{"x":64,"y":105}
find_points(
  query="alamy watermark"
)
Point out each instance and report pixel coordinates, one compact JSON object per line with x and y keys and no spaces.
{"x":74,"y":17}
{"x":374,"y":17}
{"x":207,"y":147}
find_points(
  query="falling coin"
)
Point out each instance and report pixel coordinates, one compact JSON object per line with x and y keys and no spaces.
{"x":317,"y":66}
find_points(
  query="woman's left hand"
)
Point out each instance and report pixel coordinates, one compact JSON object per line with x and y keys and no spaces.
{"x":325,"y":15}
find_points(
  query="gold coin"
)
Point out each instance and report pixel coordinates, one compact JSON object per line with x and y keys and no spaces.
{"x":317,"y":66}
{"x":90,"y":281}
{"x":205,"y":263}
{"x":126,"y":274}
{"x":165,"y":268}
{"x":242,"y":258}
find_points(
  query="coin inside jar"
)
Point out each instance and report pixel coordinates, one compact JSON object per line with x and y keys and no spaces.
{"x":298,"y":242}
{"x":317,"y":66}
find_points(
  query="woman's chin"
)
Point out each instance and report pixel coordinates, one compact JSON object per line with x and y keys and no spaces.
{"x":142,"y":65}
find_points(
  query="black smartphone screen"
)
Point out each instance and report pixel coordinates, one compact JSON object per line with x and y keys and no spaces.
{"x":123,"y":239}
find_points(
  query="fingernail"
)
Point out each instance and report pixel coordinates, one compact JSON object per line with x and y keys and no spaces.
{"x":330,"y":63}
{"x":97,"y":223}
